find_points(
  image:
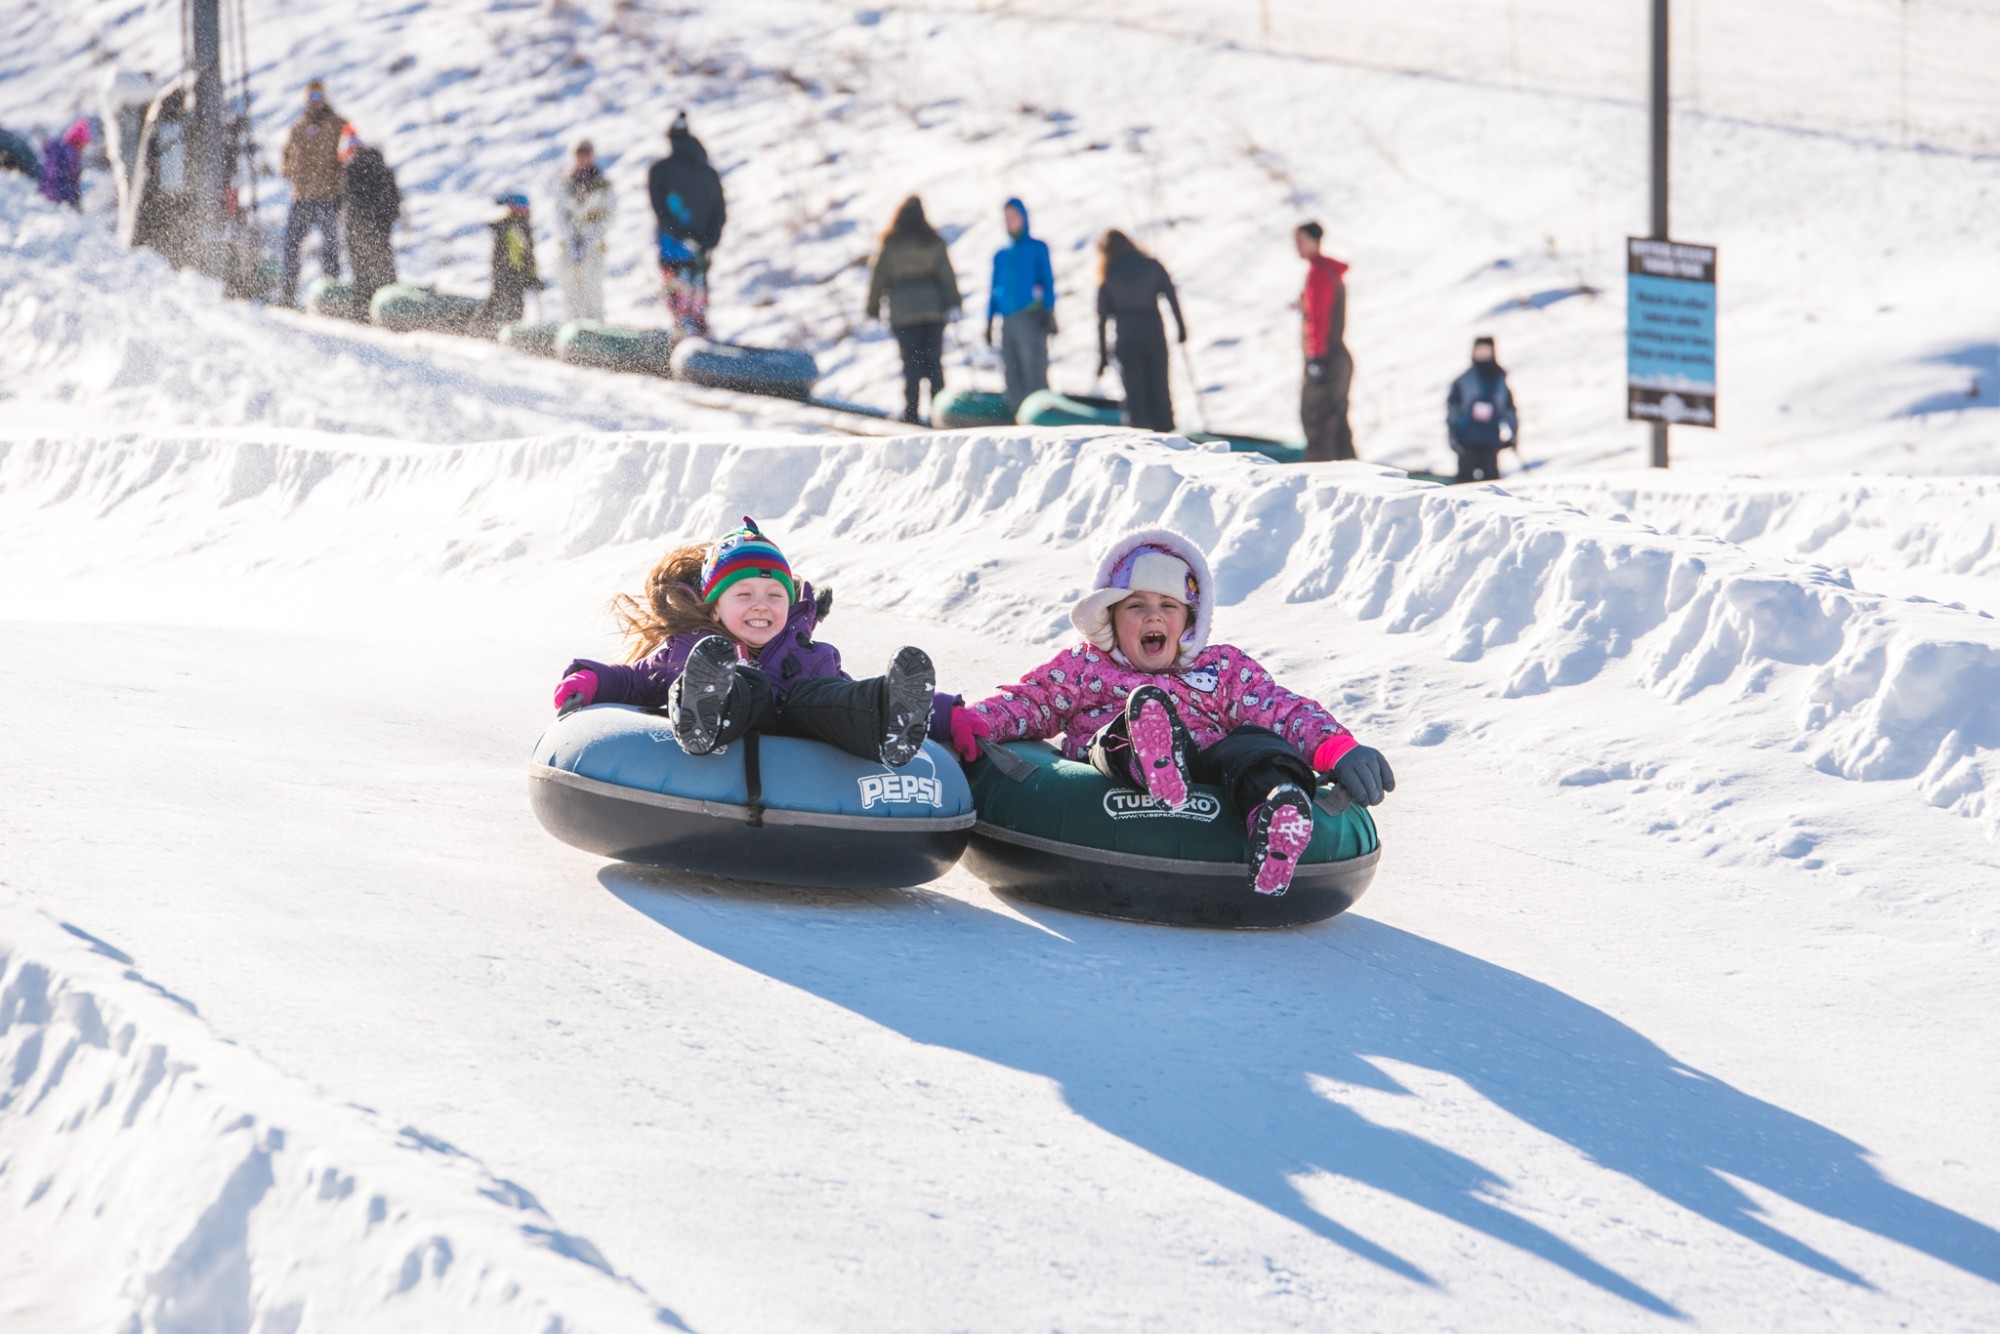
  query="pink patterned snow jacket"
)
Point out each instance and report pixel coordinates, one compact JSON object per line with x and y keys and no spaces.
{"x":1216,"y":688}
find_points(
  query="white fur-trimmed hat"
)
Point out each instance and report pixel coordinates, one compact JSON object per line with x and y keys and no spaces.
{"x":1149,"y":560}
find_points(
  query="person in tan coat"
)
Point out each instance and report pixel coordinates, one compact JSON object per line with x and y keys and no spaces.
{"x":913,"y":275}
{"x":312,"y":164}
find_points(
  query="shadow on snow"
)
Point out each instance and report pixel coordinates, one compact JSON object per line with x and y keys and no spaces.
{"x":1198,"y":1047}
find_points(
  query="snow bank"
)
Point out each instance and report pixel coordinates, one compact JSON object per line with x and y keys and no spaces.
{"x":986,"y":529}
{"x":173,"y":1181}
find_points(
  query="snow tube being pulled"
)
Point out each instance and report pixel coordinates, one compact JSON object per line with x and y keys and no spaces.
{"x":20,"y":155}
{"x":1283,"y":451}
{"x":536,"y":339}
{"x":778,"y":372}
{"x":956,"y":409}
{"x":333,"y":298}
{"x":612,"y":780}
{"x":1045,"y":407}
{"x":408,"y":308}
{"x":1055,"y":831}
{"x":612,"y":348}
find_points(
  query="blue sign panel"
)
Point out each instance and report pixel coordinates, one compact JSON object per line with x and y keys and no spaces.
{"x":1669,"y":332}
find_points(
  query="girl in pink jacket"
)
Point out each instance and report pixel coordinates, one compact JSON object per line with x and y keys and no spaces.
{"x":1152,"y":705}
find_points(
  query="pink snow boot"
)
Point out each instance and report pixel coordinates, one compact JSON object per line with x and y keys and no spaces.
{"x":1160,"y":746}
{"x":1280,"y":829}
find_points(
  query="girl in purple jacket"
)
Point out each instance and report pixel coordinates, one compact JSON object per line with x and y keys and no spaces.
{"x":1148,"y":701}
{"x":723,"y":641}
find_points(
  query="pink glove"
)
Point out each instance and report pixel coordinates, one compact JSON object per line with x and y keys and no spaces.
{"x":1331,"y":749}
{"x":576,"y":690}
{"x":968,"y":729}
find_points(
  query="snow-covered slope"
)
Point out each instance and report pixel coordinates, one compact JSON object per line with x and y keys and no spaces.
{"x":1667,"y":807}
{"x":1855,"y":333}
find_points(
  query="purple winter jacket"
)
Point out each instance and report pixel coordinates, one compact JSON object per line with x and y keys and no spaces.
{"x":62,"y":174}
{"x":794,"y":655}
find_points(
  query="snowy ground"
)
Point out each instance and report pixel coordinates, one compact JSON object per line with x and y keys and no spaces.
{"x":1673,"y":1002}
{"x":1856,"y":327}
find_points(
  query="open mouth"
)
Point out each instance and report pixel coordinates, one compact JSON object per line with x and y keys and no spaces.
{"x":758,"y":623}
{"x":1153,"y":641}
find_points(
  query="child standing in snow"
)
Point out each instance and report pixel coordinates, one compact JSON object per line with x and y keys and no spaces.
{"x":514,"y":272}
{"x":1154,"y":706}
{"x":583,"y":217}
{"x":723,"y":640}
{"x":62,"y":165}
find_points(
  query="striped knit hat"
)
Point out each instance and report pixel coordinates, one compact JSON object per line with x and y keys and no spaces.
{"x":744,"y":554}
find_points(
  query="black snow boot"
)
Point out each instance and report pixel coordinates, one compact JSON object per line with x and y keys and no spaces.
{"x":907,"y":690}
{"x":699,"y":704}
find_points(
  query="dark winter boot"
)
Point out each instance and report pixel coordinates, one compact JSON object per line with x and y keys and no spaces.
{"x":1160,"y":746}
{"x":1280,"y":828}
{"x":699,"y":703}
{"x":907,"y":690}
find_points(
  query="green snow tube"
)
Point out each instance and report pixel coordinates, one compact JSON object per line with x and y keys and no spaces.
{"x":609,"y":347}
{"x":1045,"y":407}
{"x":20,"y":155}
{"x":1284,"y":451}
{"x":536,"y":339}
{"x":778,"y":372}
{"x":333,"y":298}
{"x":957,"y":409}
{"x":1055,"y":831}
{"x":408,"y":308}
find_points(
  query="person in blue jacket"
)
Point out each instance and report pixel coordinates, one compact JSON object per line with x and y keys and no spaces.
{"x":1480,"y":415}
{"x":1023,"y":299}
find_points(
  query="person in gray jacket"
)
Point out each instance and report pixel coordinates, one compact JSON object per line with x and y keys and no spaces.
{"x":913,"y":275}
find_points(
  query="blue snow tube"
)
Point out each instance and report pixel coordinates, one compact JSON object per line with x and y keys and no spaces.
{"x":612,"y":780}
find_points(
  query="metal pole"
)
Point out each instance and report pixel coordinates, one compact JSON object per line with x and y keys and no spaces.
{"x":1659,"y":171}
{"x":205,"y":137}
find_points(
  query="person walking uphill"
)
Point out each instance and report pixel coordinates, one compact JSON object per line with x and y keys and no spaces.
{"x":373,"y":204}
{"x":584,"y":207}
{"x":1023,"y":299}
{"x":1130,"y":284}
{"x":62,"y":165}
{"x":1479,"y":413}
{"x":688,"y":212}
{"x":514,"y":272}
{"x":311,"y":163}
{"x":913,"y":274}
{"x":1329,"y":367}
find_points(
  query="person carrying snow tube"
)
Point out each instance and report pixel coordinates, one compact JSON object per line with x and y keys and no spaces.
{"x":1130,"y":284}
{"x":723,"y":642}
{"x":1158,"y":712}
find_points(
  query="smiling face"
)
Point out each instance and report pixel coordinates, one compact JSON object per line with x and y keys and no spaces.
{"x":1149,"y":627}
{"x":753,"y":610}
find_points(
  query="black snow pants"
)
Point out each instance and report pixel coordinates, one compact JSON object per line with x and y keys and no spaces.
{"x":374,"y":260}
{"x":1477,"y":463}
{"x":1149,"y":399}
{"x":1323,"y":410}
{"x":845,"y":714}
{"x":1246,"y":764}
{"x":922,"y":346}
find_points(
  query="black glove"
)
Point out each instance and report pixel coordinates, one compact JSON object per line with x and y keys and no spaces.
{"x":1315,"y":369}
{"x":1363,"y":773}
{"x":989,"y":333}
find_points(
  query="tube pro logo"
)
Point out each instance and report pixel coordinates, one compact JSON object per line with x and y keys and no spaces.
{"x":1123,"y":805}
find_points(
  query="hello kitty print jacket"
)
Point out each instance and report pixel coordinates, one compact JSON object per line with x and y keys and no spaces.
{"x":1080,"y":690}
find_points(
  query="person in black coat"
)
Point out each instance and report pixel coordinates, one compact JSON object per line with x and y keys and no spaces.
{"x":514,"y":271}
{"x":371,"y":204}
{"x":1480,"y":416}
{"x":689,"y":212}
{"x":1130,"y":284}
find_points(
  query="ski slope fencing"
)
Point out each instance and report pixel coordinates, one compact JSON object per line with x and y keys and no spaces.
{"x":1909,"y":73}
{"x":993,"y":534}
{"x":225,"y":1196}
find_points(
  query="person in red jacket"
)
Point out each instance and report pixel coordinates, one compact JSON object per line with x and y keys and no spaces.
{"x":1329,"y":368}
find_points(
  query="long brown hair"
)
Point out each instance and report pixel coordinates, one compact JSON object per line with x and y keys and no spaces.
{"x":910,"y":224}
{"x":1111,"y":247}
{"x":671,"y":604}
